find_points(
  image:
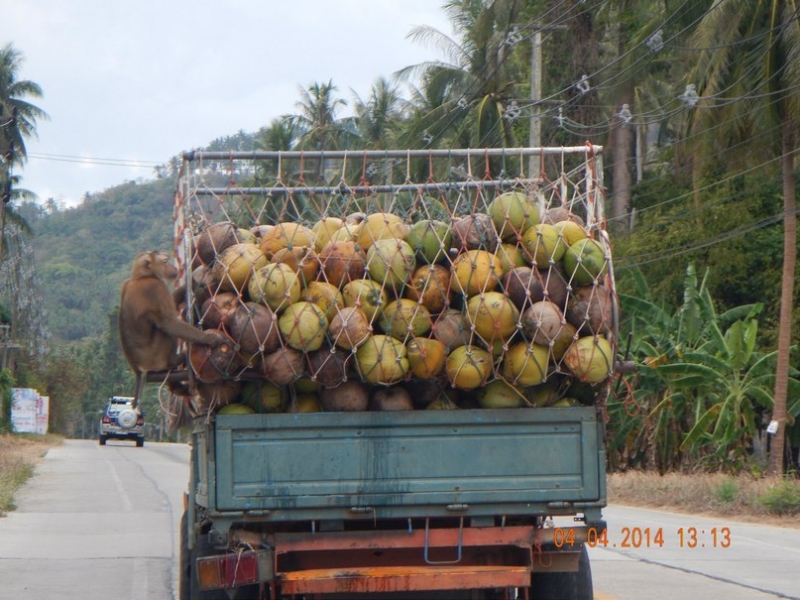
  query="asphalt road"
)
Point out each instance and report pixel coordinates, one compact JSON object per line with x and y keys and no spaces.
{"x":96,"y":523}
{"x":101,"y":522}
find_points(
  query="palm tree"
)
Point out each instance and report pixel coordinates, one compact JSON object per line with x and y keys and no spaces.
{"x":749,"y":51}
{"x":17,"y":115}
{"x":17,"y":123}
{"x":317,"y":121}
{"x":378,"y":117}
{"x":477,"y":81}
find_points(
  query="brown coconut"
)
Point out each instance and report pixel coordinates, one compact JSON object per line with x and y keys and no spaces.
{"x":216,"y":238}
{"x":328,"y":366}
{"x":526,"y":285}
{"x":351,"y":396}
{"x":591,"y":309}
{"x":342,"y":262}
{"x":255,"y":327}
{"x":303,"y":260}
{"x":541,"y":322}
{"x":211,"y":365}
{"x":430,"y":286}
{"x":450,"y":329}
{"x":214,"y":395}
{"x":204,"y":285}
{"x":474,"y":232}
{"x":349,"y":327}
{"x":390,"y":398}
{"x":219,"y":310}
{"x":554,"y":214}
{"x":284,"y":366}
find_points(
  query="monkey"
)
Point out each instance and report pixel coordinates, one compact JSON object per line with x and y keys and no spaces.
{"x":149,"y":325}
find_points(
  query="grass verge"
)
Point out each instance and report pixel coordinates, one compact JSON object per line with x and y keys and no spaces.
{"x":19,"y":454}
{"x":743,"y":496}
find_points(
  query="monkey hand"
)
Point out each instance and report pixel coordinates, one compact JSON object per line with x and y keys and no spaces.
{"x":215,"y":338}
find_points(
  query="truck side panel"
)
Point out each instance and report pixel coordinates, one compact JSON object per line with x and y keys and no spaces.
{"x":423,"y":463}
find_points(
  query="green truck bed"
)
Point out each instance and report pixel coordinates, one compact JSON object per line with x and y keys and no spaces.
{"x":317,"y":466}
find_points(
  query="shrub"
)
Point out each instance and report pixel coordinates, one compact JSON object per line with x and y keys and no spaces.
{"x":782,"y":498}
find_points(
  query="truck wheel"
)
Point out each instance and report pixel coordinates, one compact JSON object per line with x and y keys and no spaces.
{"x":187,"y":581}
{"x":556,"y":586}
{"x":140,"y":442}
{"x":102,"y":440}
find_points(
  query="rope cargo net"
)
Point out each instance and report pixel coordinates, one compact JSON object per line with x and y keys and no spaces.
{"x":397,"y":280}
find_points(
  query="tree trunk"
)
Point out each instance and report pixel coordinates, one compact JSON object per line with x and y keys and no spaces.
{"x":778,"y":445}
{"x":622,"y":142}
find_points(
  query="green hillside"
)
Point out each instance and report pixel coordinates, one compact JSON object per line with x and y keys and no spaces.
{"x":83,"y":254}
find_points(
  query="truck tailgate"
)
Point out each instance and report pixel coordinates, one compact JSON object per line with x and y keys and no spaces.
{"x":402,"y":464}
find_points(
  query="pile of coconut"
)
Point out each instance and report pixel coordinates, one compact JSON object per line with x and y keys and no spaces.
{"x":500,"y":309}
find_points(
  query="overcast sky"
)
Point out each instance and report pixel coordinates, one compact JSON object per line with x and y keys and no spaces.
{"x":136,"y":82}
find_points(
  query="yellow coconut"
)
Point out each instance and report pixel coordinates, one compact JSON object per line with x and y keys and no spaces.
{"x":381,"y":226}
{"x":525,"y":364}
{"x":382,"y":359}
{"x":234,"y":267}
{"x":426,"y":357}
{"x":277,"y":285}
{"x":493,"y":315}
{"x":303,"y":326}
{"x":590,"y":359}
{"x":511,"y":257}
{"x":367,"y":295}
{"x":324,"y":229}
{"x":544,"y":245}
{"x":304,"y":403}
{"x":570,"y":231}
{"x":403,"y":318}
{"x":475,"y":271}
{"x":286,"y":235}
{"x":468,"y":367}
{"x":348,"y":232}
{"x":325,"y":295}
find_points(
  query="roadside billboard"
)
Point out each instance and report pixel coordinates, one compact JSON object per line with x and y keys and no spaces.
{"x":29,"y":411}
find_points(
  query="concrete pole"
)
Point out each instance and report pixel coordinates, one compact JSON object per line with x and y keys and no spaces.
{"x":534,"y":161}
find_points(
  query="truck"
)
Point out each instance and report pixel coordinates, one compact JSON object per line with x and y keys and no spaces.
{"x":476,"y":503}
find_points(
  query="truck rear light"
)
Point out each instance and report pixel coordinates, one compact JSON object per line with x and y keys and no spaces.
{"x":106,"y":420}
{"x":140,"y":421}
{"x":234,"y":569}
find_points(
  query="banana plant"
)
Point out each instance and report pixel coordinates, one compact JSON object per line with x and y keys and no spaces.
{"x":702,"y":383}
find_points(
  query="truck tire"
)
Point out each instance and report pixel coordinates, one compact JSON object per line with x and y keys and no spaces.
{"x":102,"y":440}
{"x":575,"y":585}
{"x":140,"y":442}
{"x":187,"y":581}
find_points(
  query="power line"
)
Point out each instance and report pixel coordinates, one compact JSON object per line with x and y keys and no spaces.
{"x":89,"y":160}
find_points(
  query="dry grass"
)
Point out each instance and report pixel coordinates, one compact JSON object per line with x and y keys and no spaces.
{"x":743,"y":497}
{"x":19,"y":454}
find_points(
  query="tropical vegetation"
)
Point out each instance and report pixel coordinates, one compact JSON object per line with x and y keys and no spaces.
{"x":696,"y":104}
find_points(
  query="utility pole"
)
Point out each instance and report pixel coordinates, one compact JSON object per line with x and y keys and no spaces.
{"x":534,"y":161}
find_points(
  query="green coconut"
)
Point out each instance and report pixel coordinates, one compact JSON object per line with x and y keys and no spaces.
{"x":430,"y":240}
{"x":499,"y":394}
{"x":585,"y":262}
{"x":513,"y":213}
